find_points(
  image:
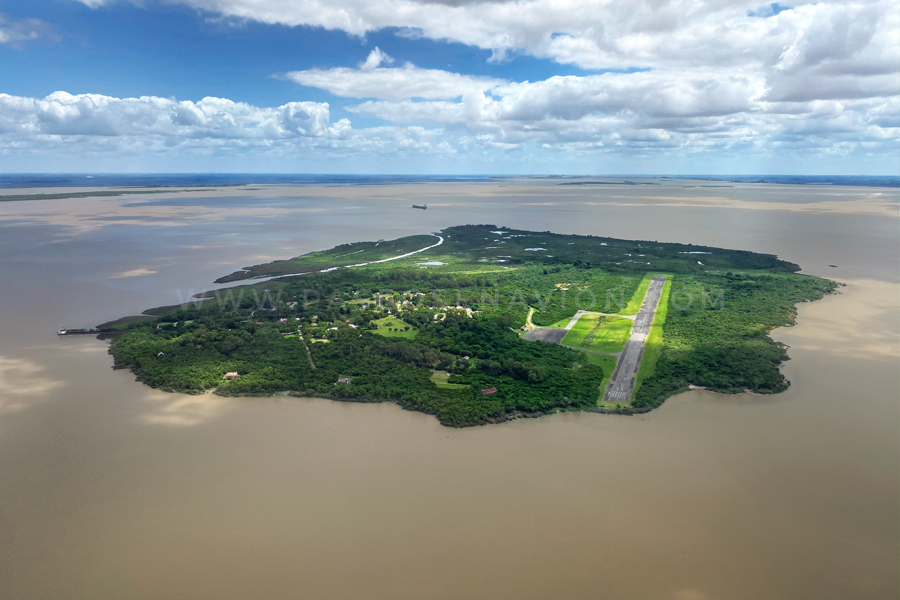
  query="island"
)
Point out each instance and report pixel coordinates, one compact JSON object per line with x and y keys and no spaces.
{"x":480,"y":324}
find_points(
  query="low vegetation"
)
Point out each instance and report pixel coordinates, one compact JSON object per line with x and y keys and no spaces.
{"x":599,"y":333}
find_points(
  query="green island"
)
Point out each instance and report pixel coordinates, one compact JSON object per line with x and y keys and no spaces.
{"x":480,"y":324}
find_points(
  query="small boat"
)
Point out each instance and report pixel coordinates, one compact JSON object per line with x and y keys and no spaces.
{"x":422,"y":206}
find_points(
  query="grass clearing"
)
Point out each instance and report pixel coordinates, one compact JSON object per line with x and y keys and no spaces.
{"x":599,"y":333}
{"x":608,"y":364}
{"x":653,"y":347}
{"x":634,"y":305}
{"x":394,"y":327}
{"x":440,"y":379}
{"x":561,"y":324}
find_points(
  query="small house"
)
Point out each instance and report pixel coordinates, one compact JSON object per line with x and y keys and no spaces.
{"x":489,"y":391}
{"x":344,"y":381}
{"x":231,"y":375}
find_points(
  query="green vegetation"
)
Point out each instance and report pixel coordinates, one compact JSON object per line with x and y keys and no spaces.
{"x":340,"y":256}
{"x":719,"y":340}
{"x":442,"y":380}
{"x":653,"y":347}
{"x":68,"y":195}
{"x":634,"y":304}
{"x":605,"y":362}
{"x":439,"y":337}
{"x":393,"y":327}
{"x":599,"y":333}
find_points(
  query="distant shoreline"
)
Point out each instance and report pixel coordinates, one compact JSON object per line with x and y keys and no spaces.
{"x":12,"y":181}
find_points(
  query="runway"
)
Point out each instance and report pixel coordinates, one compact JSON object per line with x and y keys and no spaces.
{"x":619,"y":388}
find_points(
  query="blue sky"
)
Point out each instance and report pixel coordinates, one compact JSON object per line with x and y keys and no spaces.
{"x":448,"y":87}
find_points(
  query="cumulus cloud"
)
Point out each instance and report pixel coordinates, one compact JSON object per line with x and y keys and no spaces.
{"x":375,"y":59}
{"x":590,"y":33}
{"x":374,"y":81}
{"x":17,"y":33}
{"x":706,"y":57}
{"x":64,"y":114}
{"x":107,"y":126}
{"x":636,"y":113}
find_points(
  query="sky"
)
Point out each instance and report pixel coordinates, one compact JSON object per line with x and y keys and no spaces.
{"x":450,"y":86}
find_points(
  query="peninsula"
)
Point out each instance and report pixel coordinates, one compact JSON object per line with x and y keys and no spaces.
{"x":480,"y":324}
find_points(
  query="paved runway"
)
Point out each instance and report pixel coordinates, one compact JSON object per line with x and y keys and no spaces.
{"x":619,"y":389}
{"x":546,"y":334}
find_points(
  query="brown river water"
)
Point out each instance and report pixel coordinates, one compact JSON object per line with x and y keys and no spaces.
{"x":111,"y":490}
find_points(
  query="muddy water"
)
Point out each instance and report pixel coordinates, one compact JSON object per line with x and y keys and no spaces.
{"x":111,"y":490}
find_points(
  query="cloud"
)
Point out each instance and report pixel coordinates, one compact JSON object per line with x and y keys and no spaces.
{"x":16,"y":34}
{"x":374,"y":81}
{"x":375,"y":59}
{"x":649,"y":113}
{"x":594,"y":34}
{"x":682,"y":65}
{"x":660,"y":109}
{"x":64,"y":114}
{"x":214,"y":127}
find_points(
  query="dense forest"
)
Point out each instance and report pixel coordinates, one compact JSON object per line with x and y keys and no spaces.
{"x":716,"y":334}
{"x":440,"y":331}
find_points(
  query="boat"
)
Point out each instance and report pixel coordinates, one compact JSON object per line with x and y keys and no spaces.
{"x":77,"y":331}
{"x":422,"y":206}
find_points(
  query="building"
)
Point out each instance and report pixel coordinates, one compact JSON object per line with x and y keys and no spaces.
{"x":231,"y":375}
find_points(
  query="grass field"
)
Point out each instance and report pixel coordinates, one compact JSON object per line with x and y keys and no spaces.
{"x":440,"y":379}
{"x":601,"y":334}
{"x":608,"y":364}
{"x":654,"y":345}
{"x":394,"y":327}
{"x":634,"y":305}
{"x":561,"y":324}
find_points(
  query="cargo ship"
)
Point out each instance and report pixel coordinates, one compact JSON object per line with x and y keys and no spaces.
{"x":422,"y":206}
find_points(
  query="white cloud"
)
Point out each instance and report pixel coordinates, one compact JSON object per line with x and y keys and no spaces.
{"x":373,"y":81}
{"x":105,"y":126}
{"x":64,"y":114}
{"x":17,"y":33}
{"x":643,"y":114}
{"x":598,"y":33}
{"x":375,"y":59}
{"x":703,"y":59}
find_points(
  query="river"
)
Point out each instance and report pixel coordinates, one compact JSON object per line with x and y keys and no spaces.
{"x":111,"y":490}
